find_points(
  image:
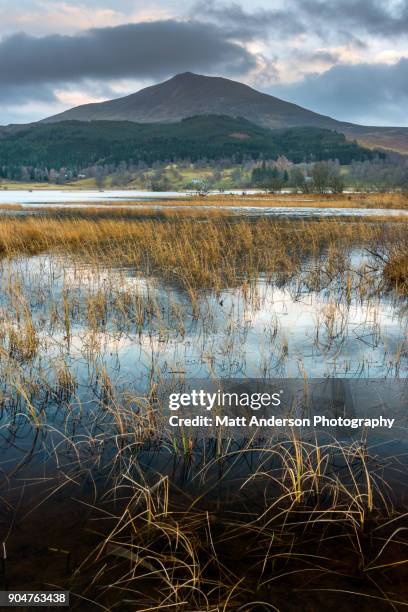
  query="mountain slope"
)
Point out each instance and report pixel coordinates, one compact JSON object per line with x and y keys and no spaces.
{"x":188,"y":94}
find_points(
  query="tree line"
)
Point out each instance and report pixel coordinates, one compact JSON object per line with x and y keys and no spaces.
{"x":43,"y":151}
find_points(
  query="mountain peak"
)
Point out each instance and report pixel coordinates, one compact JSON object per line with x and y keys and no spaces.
{"x":188,"y":94}
{"x":186,"y":75}
{"x":206,"y":80}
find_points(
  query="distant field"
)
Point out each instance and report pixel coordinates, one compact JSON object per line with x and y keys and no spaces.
{"x":179,"y":182}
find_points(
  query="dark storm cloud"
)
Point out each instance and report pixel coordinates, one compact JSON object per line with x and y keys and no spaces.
{"x":361,"y":92}
{"x":377,"y":17}
{"x":150,"y":49}
{"x":247,"y":25}
{"x":22,"y":94}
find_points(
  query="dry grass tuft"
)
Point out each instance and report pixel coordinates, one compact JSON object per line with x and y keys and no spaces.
{"x":396,"y":271}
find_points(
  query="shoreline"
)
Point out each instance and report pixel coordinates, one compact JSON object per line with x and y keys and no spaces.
{"x":24,"y":199}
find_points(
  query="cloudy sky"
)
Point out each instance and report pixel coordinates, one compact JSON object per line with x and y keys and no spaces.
{"x":344,"y":58}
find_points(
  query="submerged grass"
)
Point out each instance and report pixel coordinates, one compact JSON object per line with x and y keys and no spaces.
{"x":296,"y":525}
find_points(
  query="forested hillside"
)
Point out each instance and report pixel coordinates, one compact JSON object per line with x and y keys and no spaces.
{"x":76,"y":145}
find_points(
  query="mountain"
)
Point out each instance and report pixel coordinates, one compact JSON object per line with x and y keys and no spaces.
{"x":79,"y":144}
{"x":188,"y":94}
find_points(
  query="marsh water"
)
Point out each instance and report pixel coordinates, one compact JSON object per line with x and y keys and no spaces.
{"x":79,"y":339}
{"x":113,"y":333}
